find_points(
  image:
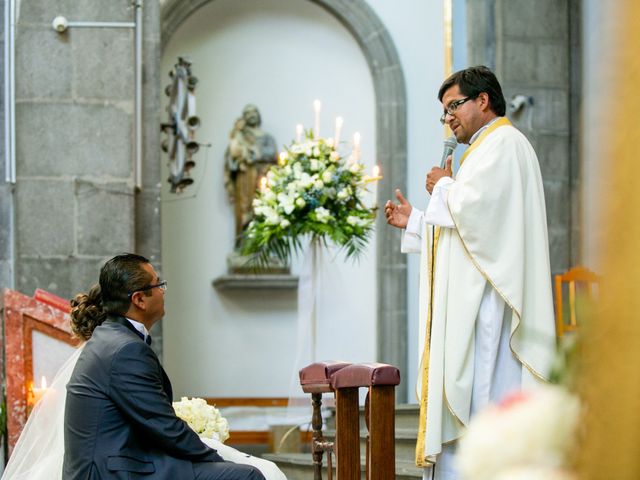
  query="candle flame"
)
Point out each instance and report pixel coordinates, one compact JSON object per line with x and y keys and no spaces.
{"x":376,"y":171}
{"x":43,"y":382}
{"x":283,"y":158}
{"x":317,"y":105}
{"x":263,"y":183}
{"x":339,"y":122}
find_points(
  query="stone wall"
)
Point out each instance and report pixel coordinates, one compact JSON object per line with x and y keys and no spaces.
{"x":533,"y":47}
{"x":75,"y":200}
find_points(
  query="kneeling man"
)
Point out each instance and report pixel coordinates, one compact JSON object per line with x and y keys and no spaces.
{"x":119,"y":421}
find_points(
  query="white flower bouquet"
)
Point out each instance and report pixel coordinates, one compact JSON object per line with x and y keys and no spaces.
{"x":204,"y":419}
{"x":527,"y":437}
{"x":315,"y":192}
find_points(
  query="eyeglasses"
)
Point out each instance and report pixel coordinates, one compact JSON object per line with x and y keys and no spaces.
{"x":162,"y":286}
{"x":453,"y":106}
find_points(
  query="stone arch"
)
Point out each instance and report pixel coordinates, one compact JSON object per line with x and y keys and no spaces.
{"x":391,"y":143}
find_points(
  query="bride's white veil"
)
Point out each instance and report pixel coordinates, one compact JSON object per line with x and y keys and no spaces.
{"x":39,"y":452}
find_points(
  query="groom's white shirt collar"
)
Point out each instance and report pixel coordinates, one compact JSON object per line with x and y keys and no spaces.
{"x":139,"y":327}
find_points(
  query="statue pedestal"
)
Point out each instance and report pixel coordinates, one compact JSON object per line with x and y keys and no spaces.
{"x":267,"y":281}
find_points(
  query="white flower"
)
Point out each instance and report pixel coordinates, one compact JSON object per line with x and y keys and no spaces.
{"x":356,"y":167}
{"x":285,"y":223}
{"x":314,"y":165}
{"x":305,"y":181}
{"x":323,"y":215}
{"x":286,"y":203}
{"x":268,"y":195}
{"x":343,"y":194}
{"x":300,"y":202}
{"x":203,"y":419}
{"x":316,"y":152}
{"x":535,"y":430}
{"x":334,"y":156}
{"x":287,"y":170}
{"x":327,"y":176}
{"x":256,"y":203}
{"x":271,"y":216}
{"x":352,"y":220}
{"x":319,"y":184}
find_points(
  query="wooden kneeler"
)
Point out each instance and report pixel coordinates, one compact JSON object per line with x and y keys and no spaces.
{"x":315,"y":379}
{"x":381,"y":380}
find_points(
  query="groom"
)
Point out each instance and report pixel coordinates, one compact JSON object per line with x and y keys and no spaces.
{"x":119,"y":422}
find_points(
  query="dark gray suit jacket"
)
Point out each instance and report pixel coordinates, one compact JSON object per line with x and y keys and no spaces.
{"x":119,"y":422}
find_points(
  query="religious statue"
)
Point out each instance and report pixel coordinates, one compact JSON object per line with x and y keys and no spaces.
{"x":250,"y":154}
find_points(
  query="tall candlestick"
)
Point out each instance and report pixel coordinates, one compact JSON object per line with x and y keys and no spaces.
{"x":317,"y":106}
{"x":299,"y":130}
{"x":356,"y":146}
{"x":336,"y":140}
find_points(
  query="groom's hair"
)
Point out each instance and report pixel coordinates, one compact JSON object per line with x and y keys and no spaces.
{"x":119,"y":278}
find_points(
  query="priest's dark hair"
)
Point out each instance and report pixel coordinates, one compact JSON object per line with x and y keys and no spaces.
{"x":119,"y":277}
{"x":472,"y":82}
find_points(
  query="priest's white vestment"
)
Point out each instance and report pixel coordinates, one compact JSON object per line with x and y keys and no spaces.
{"x":486,"y":309}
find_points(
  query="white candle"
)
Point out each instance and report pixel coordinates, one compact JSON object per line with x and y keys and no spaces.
{"x":376,"y":171}
{"x":263,"y":184}
{"x":356,"y":146}
{"x":336,"y":140}
{"x":317,"y":106}
{"x":299,"y":130}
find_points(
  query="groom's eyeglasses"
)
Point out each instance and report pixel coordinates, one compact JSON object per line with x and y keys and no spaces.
{"x":161,"y":286}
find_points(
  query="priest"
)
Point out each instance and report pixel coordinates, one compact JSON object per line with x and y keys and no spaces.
{"x":486,"y":310}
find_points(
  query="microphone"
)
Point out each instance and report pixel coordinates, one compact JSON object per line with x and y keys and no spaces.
{"x":450,"y":144}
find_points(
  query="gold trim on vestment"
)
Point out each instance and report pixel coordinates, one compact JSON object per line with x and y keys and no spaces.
{"x":421,"y":460}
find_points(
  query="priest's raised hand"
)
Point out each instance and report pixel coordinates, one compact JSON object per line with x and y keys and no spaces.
{"x":398,"y":213}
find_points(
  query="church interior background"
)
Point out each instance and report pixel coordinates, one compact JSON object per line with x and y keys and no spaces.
{"x":77,"y":188}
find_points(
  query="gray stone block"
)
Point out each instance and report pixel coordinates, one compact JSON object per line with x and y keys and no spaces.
{"x":147,"y":230}
{"x":553,"y":155}
{"x":63,"y":276}
{"x":105,"y":218}
{"x":103,"y":64}
{"x":5,"y":276}
{"x":44,"y":217}
{"x":535,"y":64}
{"x":539,"y":18}
{"x":559,"y":250}
{"x":73,"y":139}
{"x":43,"y":64}
{"x":551,"y":111}
{"x":6,"y":233}
{"x":37,"y":11}
{"x":557,"y":195}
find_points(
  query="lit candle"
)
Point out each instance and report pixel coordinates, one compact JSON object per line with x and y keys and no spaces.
{"x":336,"y":140}
{"x":263,"y":184}
{"x":299,"y":130}
{"x":376,"y":172}
{"x":38,"y":393}
{"x":356,"y":146}
{"x":317,"y":105}
{"x":282,"y":158}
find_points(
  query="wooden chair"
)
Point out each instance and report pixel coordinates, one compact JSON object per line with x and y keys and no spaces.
{"x":581,"y":282}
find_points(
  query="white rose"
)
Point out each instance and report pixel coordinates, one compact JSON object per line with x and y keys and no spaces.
{"x":285,"y":223}
{"x":315,"y":165}
{"x":334,"y":156}
{"x":356,"y":167}
{"x":327,"y":176}
{"x":300,"y":202}
{"x":352,"y":220}
{"x":342,"y":194}
{"x":323,"y":215}
{"x":318,"y":184}
{"x":316,"y":152}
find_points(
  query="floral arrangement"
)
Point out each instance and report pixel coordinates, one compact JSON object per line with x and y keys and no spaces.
{"x":315,"y":192}
{"x":204,"y":419}
{"x":527,"y":437}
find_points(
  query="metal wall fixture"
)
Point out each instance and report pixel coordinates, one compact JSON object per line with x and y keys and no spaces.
{"x":60,"y":24}
{"x":9,"y":91}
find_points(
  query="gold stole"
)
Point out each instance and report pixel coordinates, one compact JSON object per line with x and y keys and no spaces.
{"x":421,"y":460}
